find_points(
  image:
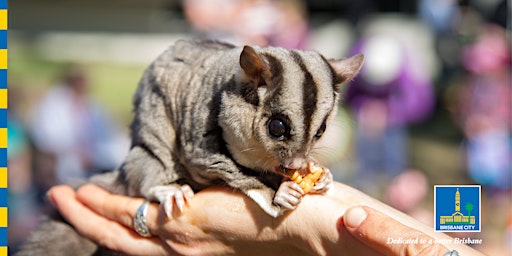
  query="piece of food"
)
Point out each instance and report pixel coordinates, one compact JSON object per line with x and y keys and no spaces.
{"x":306,"y":181}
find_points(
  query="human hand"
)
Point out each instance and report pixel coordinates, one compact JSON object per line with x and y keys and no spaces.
{"x":220,"y":221}
{"x":217,"y":222}
{"x":374,"y":229}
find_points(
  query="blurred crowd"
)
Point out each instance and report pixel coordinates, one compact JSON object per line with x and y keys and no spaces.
{"x":68,"y":136}
{"x":450,"y":56}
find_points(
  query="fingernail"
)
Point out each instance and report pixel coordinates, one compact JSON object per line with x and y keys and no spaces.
{"x":354,"y":217}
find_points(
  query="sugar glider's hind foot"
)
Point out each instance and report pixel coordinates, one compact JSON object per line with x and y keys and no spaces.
{"x":170,"y":195}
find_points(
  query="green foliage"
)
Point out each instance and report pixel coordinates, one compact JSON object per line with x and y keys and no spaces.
{"x":469,"y":208}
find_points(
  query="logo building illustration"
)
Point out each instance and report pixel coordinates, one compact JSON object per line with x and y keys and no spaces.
{"x":457,"y":208}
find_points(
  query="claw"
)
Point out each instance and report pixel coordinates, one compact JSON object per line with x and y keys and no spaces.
{"x":188,"y":193}
{"x":168,"y":206}
{"x":179,"y":200}
{"x":168,"y":195}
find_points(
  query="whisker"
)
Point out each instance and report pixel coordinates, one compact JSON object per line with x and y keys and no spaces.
{"x":266,"y":162}
{"x":247,"y":150}
{"x":327,"y":154}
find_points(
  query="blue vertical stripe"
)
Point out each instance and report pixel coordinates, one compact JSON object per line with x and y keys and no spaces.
{"x":3,"y":118}
{"x":3,"y":197}
{"x":3,"y":39}
{"x":3,"y":151}
{"x":3,"y":157}
{"x":3,"y":236}
{"x":3,"y":78}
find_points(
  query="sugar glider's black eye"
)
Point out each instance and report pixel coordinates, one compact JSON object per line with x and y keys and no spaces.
{"x":277,"y":128}
{"x":321,"y":130}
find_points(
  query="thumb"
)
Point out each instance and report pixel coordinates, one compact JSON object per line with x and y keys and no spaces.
{"x":388,"y":236}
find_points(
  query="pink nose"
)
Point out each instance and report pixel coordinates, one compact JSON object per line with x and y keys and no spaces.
{"x":294,"y":163}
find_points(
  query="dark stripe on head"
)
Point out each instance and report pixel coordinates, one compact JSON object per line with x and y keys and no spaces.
{"x":276,"y":69}
{"x":247,"y":91}
{"x":250,"y":91}
{"x":309,"y":97}
{"x":275,"y":87}
{"x":250,"y":94}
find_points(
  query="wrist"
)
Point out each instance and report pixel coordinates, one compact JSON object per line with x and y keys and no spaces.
{"x":310,"y":231}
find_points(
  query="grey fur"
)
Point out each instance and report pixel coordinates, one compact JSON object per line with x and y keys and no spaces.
{"x":201,"y":118}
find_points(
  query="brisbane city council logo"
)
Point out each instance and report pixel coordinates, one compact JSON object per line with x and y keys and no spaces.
{"x":457,"y":208}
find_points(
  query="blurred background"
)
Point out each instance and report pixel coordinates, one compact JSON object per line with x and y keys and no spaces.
{"x":431,"y":106}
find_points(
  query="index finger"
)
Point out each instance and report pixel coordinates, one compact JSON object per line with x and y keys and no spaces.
{"x":105,"y":232}
{"x":376,"y":229}
{"x":119,"y":208}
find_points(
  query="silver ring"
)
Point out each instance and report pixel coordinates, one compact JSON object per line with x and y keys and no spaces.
{"x":451,"y":253}
{"x":139,"y":222}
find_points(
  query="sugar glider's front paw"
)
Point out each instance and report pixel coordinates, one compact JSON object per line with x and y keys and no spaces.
{"x":168,"y":195}
{"x":288,"y":195}
{"x":324,"y":182}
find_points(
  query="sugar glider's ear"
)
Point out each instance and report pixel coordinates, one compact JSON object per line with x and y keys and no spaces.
{"x":253,"y":66}
{"x":346,"y":69}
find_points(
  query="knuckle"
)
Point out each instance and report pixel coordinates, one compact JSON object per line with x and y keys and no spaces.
{"x":424,"y":249}
{"x":106,"y":239}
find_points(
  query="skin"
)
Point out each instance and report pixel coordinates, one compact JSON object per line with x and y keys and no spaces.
{"x":219,"y":221}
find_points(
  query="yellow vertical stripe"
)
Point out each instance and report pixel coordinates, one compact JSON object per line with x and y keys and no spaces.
{"x":3,"y":137}
{"x":3,"y":19}
{"x":3,"y":217}
{"x":3,"y":58}
{"x":3,"y":98}
{"x":3,"y":177}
